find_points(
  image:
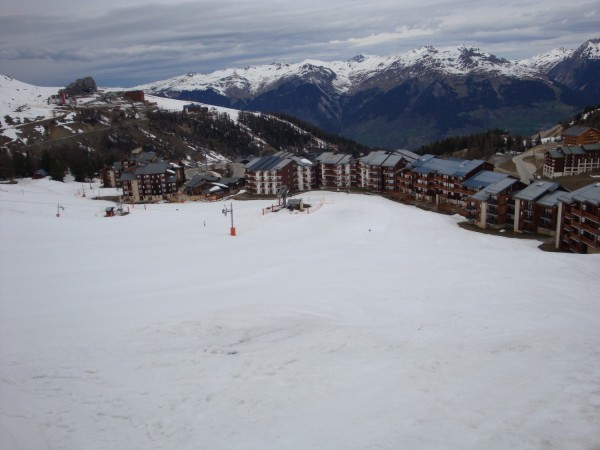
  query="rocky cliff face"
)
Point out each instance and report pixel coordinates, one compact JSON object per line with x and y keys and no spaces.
{"x":81,"y":86}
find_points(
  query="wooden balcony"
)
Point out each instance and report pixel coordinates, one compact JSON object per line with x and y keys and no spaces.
{"x":586,"y":214}
{"x":591,"y":242}
{"x":590,"y":228}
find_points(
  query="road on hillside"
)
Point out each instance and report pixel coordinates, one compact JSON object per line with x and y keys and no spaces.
{"x":525,"y":170}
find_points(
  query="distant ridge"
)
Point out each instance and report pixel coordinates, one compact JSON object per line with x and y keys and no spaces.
{"x":409,"y":99}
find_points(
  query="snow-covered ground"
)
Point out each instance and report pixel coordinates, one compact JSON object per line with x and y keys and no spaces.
{"x":366,"y":324}
{"x":23,"y":103}
{"x":171,"y":104}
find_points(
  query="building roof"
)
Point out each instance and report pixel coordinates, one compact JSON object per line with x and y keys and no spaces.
{"x":592,"y":147}
{"x":230,"y":181}
{"x":127,"y":176}
{"x":501,"y":185}
{"x":152,"y":168}
{"x":451,"y":167}
{"x":587,"y":194}
{"x":392,"y":160}
{"x":146,"y":157}
{"x":199,"y":179}
{"x":483,"y":179}
{"x":560,"y":152}
{"x":573,"y":150}
{"x":576,"y":131}
{"x":334,"y":158}
{"x":536,"y":190}
{"x":375,"y":158}
{"x":550,"y":200}
{"x":270,"y":162}
{"x":493,"y":188}
{"x":302,"y":162}
{"x":384,"y":158}
{"x":482,"y":196}
{"x":407,"y":155}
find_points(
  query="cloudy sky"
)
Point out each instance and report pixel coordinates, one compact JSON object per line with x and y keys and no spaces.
{"x":128,"y":42}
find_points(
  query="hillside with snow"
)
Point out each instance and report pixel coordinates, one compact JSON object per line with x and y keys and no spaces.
{"x":23,"y":102}
{"x":364,"y":324}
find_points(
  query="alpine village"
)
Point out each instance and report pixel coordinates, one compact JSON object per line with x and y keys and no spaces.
{"x":545,"y":185}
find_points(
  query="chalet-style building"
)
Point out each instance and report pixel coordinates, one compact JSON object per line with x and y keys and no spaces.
{"x":578,"y":229}
{"x":571,"y":160}
{"x":536,"y":208}
{"x":267,"y":174}
{"x":493,"y":204}
{"x":306,"y":174}
{"x":379,"y":170}
{"x":208,"y":186}
{"x":440,"y":181}
{"x":581,"y":136}
{"x":336,"y":171}
{"x":111,"y":175}
{"x":200,"y":183}
{"x":152,"y":182}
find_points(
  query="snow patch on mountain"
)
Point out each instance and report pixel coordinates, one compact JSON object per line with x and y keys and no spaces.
{"x":590,"y":50}
{"x":345,"y":75}
{"x":171,"y":104}
{"x":545,"y":61}
{"x":23,"y":102}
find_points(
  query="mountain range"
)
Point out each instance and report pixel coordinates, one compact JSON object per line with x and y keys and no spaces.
{"x":410,"y":99}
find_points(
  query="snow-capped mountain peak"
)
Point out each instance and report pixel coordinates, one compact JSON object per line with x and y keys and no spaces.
{"x":545,"y":61}
{"x":346,"y":75}
{"x":589,"y":50}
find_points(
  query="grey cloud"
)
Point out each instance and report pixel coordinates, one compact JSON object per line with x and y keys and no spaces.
{"x":164,"y":40}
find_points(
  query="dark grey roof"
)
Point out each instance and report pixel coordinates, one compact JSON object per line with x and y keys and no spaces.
{"x":152,"y":168}
{"x":482,"y":196}
{"x":146,"y":157}
{"x":303,"y":162}
{"x":407,"y":155}
{"x":536,"y":190}
{"x":451,"y":167}
{"x":385,"y":158}
{"x":199,"y":179}
{"x":575,"y":131}
{"x":392,"y":160}
{"x":483,"y":179}
{"x":334,"y":158}
{"x":494,"y":188}
{"x":550,"y":200}
{"x":127,"y":176}
{"x":229,"y":181}
{"x":271,"y":162}
{"x":587,"y":194}
{"x":573,"y":150}
{"x":501,"y":185}
{"x":375,"y":158}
